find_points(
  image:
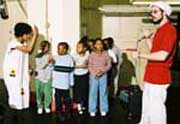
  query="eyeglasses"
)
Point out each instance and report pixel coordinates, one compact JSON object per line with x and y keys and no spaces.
{"x":154,"y":12}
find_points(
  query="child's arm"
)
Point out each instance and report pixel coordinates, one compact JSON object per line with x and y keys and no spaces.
{"x":84,"y":65}
{"x":107,"y":67}
{"x":90,"y":64}
{"x":51,"y":60}
{"x":72,"y":74}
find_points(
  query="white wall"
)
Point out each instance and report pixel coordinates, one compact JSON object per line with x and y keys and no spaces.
{"x":64,"y":22}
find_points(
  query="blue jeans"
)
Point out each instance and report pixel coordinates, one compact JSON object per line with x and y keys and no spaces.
{"x":98,"y":84}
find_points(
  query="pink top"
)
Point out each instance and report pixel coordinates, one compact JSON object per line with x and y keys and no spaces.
{"x":99,"y":62}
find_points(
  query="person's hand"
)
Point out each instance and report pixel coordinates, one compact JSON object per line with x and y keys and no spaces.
{"x":141,"y":86}
{"x":147,"y":34}
{"x":99,"y":73}
{"x":85,"y":64}
{"x":135,"y":54}
{"x":71,"y":84}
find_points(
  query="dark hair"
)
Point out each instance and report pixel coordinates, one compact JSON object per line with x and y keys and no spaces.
{"x":110,"y":42}
{"x":64,"y":44}
{"x":83,"y":43}
{"x":22,"y":28}
{"x":43,"y":44}
{"x":84,"y":39}
{"x":99,"y":39}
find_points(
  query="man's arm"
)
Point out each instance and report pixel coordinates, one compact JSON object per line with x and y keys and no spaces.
{"x":155,"y":56}
{"x":30,"y":46}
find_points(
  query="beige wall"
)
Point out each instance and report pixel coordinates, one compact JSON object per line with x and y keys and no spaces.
{"x":126,"y":31}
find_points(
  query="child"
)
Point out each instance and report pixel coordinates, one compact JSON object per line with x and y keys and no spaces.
{"x":16,"y":69}
{"x":99,"y":63}
{"x":43,"y":78}
{"x":62,"y":78}
{"x":81,"y":76}
{"x":113,"y":72}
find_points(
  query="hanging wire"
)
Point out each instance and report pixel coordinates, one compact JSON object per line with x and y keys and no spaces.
{"x":22,"y":8}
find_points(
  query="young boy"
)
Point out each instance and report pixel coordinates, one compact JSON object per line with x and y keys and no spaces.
{"x":62,"y":80}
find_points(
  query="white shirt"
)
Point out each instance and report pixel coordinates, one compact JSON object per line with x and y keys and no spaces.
{"x":43,"y":69}
{"x":113,"y":56}
{"x":63,"y":80}
{"x":79,"y":60}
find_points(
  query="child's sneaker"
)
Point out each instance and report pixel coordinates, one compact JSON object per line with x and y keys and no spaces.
{"x":92,"y":114}
{"x":83,"y":108}
{"x":80,"y":112}
{"x":79,"y":108}
{"x":47,"y":110}
{"x":103,"y":113}
{"x":39,"y":111}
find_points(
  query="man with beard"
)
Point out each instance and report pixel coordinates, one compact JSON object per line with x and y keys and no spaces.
{"x":157,"y":76}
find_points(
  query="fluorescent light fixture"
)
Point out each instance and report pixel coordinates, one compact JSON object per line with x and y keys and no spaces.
{"x":147,"y":2}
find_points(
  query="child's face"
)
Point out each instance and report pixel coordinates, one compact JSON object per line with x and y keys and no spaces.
{"x":80,"y":48}
{"x":61,"y":50}
{"x":46,"y":49}
{"x":99,"y":45}
{"x":90,"y":44}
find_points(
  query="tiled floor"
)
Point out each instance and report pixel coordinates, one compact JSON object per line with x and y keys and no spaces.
{"x":117,"y":114}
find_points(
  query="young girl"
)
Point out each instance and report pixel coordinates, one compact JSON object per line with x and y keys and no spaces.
{"x":81,"y":76}
{"x":62,"y":79}
{"x":43,"y":78}
{"x":99,"y":63}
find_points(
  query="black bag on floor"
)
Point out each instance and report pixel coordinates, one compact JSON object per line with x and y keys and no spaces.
{"x":131,"y":97}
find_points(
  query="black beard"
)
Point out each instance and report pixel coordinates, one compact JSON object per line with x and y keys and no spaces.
{"x":158,"y":21}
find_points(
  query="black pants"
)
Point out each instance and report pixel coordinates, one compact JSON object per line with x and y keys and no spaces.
{"x":62,"y":96}
{"x":13,"y":116}
{"x":81,"y":89}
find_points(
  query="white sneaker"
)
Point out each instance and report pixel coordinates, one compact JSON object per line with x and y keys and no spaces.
{"x":103,"y":113}
{"x":80,"y":112}
{"x":40,"y":111}
{"x":92,"y":114}
{"x":47,"y":110}
{"x":83,"y":108}
{"x":79,"y":108}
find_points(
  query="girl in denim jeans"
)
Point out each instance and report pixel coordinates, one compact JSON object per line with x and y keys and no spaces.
{"x":99,"y":63}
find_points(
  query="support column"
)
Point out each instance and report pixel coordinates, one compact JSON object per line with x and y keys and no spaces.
{"x":57,"y":20}
{"x":64,"y":22}
{"x":36,"y":11}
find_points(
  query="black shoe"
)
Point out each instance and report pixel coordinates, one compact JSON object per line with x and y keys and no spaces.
{"x":60,"y":117}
